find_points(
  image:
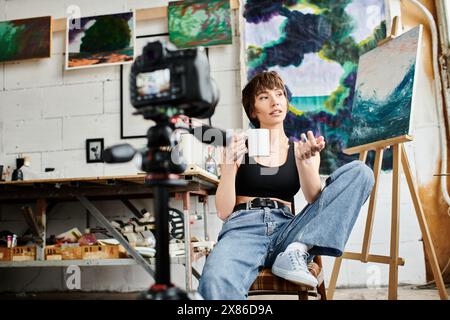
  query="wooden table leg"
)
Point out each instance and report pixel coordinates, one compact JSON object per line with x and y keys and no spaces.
{"x":205,"y":217}
{"x":187,"y":239}
{"x":41,"y":207}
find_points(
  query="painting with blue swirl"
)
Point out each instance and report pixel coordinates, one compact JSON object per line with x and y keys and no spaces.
{"x":385,"y":90}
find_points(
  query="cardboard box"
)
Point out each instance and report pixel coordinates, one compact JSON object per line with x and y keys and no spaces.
{"x":26,"y":253}
{"x":53,"y":253}
{"x":100,"y":252}
{"x":5,"y":254}
{"x":71,"y":253}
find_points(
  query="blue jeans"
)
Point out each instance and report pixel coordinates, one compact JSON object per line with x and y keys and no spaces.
{"x":251,"y":239}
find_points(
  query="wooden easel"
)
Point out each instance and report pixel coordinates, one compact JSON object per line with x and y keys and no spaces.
{"x":399,"y":158}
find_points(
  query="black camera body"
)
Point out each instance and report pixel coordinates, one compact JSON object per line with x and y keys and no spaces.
{"x":167,"y":78}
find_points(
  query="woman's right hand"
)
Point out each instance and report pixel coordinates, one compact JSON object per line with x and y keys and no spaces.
{"x":235,"y":151}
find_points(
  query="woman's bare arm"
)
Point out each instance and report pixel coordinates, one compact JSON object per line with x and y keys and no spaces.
{"x":307,"y":157}
{"x":226,"y":191}
{"x":232,"y":157}
{"x":308,"y":172}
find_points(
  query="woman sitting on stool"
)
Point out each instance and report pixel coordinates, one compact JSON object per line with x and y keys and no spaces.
{"x":254,"y":200}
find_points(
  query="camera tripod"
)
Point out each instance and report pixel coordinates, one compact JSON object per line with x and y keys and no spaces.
{"x":163,"y":168}
{"x":162,"y":174}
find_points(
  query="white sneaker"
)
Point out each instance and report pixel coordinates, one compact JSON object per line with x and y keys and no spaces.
{"x":293,"y":266}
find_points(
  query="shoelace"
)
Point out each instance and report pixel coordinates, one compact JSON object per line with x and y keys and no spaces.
{"x":298,"y":260}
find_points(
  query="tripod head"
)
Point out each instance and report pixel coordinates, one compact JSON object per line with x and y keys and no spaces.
{"x":161,"y":155}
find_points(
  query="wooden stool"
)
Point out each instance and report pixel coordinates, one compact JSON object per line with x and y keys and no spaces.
{"x":268,"y":284}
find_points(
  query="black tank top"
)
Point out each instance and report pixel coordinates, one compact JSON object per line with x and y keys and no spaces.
{"x":256,"y":180}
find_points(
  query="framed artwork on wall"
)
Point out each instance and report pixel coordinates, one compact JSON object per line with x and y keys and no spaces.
{"x":97,"y":41}
{"x":25,"y":39}
{"x":199,"y":23}
{"x":94,"y":150}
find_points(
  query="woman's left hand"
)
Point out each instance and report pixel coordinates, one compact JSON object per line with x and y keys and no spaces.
{"x":309,"y":146}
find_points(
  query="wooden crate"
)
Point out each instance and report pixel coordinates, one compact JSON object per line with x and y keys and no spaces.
{"x":26,"y":253}
{"x":100,"y":252}
{"x":53,"y":253}
{"x":5,"y":254}
{"x":71,"y":253}
{"x":122,"y":252}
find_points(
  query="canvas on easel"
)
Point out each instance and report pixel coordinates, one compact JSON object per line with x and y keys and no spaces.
{"x":385,"y":86}
{"x":382,"y":117}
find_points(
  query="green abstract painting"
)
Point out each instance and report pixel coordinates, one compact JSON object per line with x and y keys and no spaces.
{"x":200,"y":23}
{"x":25,"y":39}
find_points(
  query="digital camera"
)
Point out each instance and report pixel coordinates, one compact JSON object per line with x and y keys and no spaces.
{"x":165,"y":81}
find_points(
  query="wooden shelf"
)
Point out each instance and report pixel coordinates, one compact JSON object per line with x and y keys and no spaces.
{"x":91,"y":263}
{"x":59,"y":25}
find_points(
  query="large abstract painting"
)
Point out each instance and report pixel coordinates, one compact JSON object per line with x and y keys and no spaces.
{"x":100,"y":40}
{"x":384,"y":95}
{"x":315,"y":46}
{"x":200,"y":23}
{"x":25,"y":39}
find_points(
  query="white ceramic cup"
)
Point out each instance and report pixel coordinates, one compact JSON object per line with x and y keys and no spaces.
{"x":258,"y":142}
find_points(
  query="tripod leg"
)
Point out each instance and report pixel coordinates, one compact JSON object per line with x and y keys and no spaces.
{"x":334,"y":277}
{"x":393,"y":266}
{"x":372,"y":205}
{"x":429,"y":248}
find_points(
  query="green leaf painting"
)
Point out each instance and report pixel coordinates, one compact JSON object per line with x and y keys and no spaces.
{"x":200,"y":23}
{"x":25,"y":39}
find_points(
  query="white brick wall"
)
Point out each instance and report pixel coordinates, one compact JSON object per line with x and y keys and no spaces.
{"x":21,"y":104}
{"x":2,"y":138}
{"x":2,"y":78}
{"x":228,"y":86}
{"x":21,"y":9}
{"x":48,"y":113}
{"x":73,"y":100}
{"x":32,"y":135}
{"x":111,"y":96}
{"x":227,"y":116}
{"x":223,"y":58}
{"x":94,"y":8}
{"x":71,"y":164}
{"x":2,"y":9}
{"x":78,"y":129}
{"x":140,"y":4}
{"x":34,"y":73}
{"x":86,"y":75}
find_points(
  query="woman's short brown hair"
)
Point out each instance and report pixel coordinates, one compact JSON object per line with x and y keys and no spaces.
{"x":262,"y":81}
